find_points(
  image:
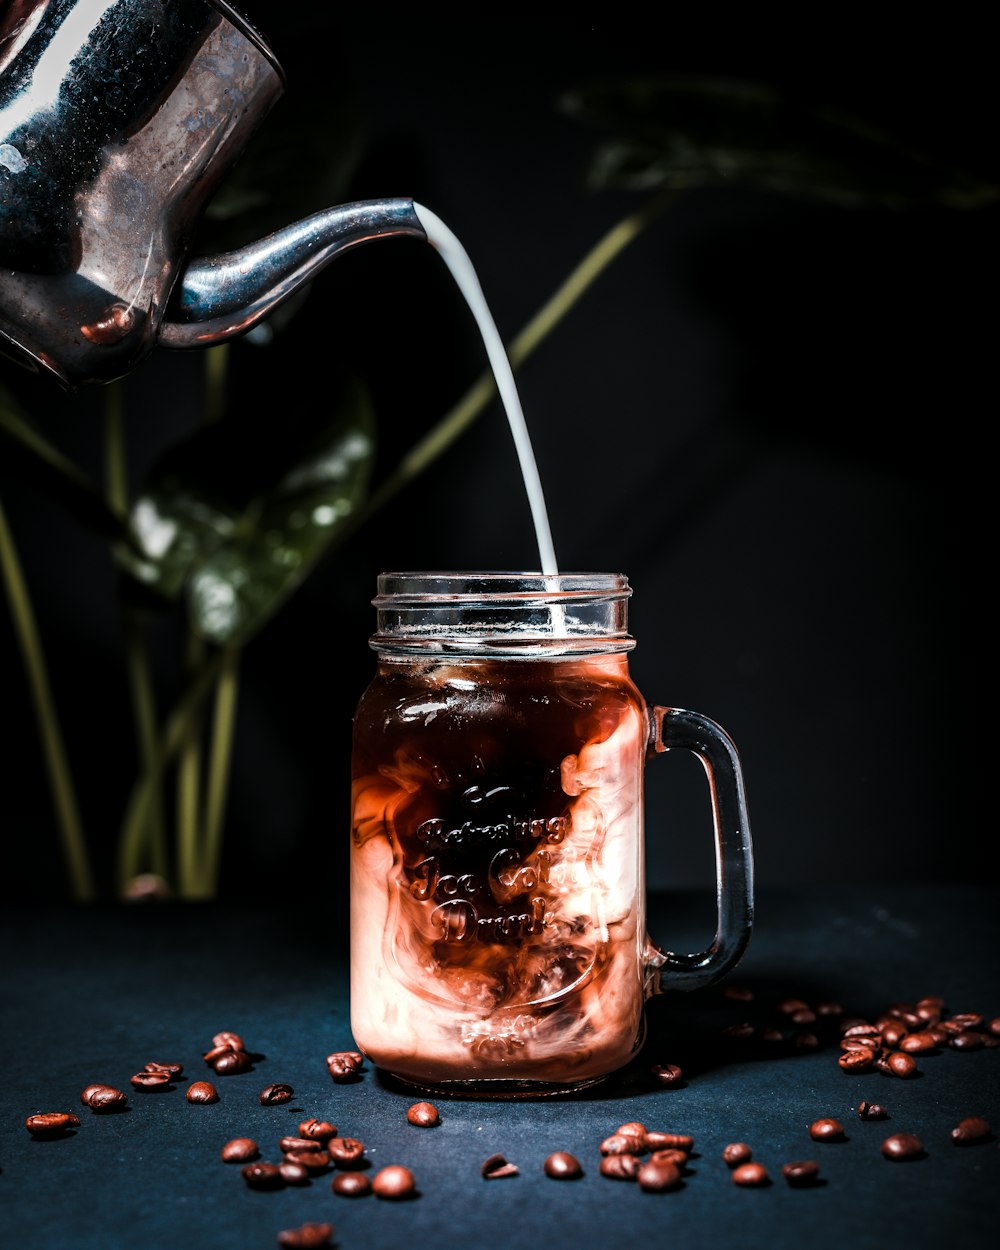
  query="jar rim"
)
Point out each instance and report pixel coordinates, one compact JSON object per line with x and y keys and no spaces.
{"x":503,"y":586}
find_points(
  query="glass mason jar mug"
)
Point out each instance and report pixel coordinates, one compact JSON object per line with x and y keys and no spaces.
{"x":498,"y":941}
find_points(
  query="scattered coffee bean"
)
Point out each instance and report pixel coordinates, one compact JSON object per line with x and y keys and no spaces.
{"x":749,"y":1174}
{"x":239,"y":1150}
{"x":966,"y":1041}
{"x":231,"y":1040}
{"x":318,"y":1130}
{"x":828,"y":1011}
{"x":344,"y":1065}
{"x":351,"y":1184}
{"x":423,"y":1115}
{"x":306,"y":1237}
{"x":738,"y":993}
{"x":633,"y":1129}
{"x":772,"y":1037}
{"x":971,"y":1130}
{"x":172,"y":1070}
{"x":312,"y":1160}
{"x":51,"y":1123}
{"x":202,"y":1092}
{"x":394,"y":1182}
{"x":150,"y":1080}
{"x":656,"y":1140}
{"x":623,"y":1144}
{"x":902,"y":1064}
{"x":917,"y":1043}
{"x":496,"y":1167}
{"x":273,"y":1095}
{"x":871,"y":1111}
{"x":800,"y":1173}
{"x":232,"y":1063}
{"x":735,"y":1153}
{"x":804,"y":1015}
{"x":620,"y":1167}
{"x":293,"y":1173}
{"x":677,"y":1157}
{"x":103,"y":1098}
{"x":262,"y":1176}
{"x":212,"y":1056}
{"x":562,"y":1166}
{"x":743,"y":1032}
{"x":861,"y":1060}
{"x":667,"y":1075}
{"x":893,"y":1034}
{"x":967,"y":1020}
{"x":903,"y":1147}
{"x":656,"y":1176}
{"x":826,"y":1130}
{"x":805,"y":1040}
{"x":792,"y":1005}
{"x":285,"y":1144}
{"x":994,"y":1026}
{"x":345,"y":1152}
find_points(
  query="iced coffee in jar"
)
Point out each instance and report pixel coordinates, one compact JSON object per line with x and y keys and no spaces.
{"x":498,"y":942}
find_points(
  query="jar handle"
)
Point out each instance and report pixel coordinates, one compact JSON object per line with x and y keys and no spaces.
{"x":672,"y":728}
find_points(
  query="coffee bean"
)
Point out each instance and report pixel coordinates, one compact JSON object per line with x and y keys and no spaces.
{"x":735,"y":1153}
{"x":677,"y":1157}
{"x":273,"y":1095}
{"x":857,"y":1060}
{"x":917,"y":1043}
{"x":172,"y":1069}
{"x":871,"y":1111}
{"x":667,"y":1075}
{"x":312,"y":1160}
{"x":656,"y":1140}
{"x":318,"y":1130}
{"x":103,"y":1098}
{"x":239,"y":1150}
{"x":893,"y":1034}
{"x":423,"y":1115}
{"x":967,"y":1020}
{"x":562,"y":1166}
{"x":749,"y":1174}
{"x":306,"y":1237}
{"x":902,"y":1147}
{"x":623,"y":1144}
{"x":212,"y":1056}
{"x":346,"y":1152}
{"x":971,"y":1130}
{"x":994,"y":1026}
{"x":344,"y":1065}
{"x":201,"y":1092}
{"x":902,"y":1064}
{"x":232,"y":1041}
{"x":286,"y":1144}
{"x":262,"y":1176}
{"x":51,"y":1123}
{"x":232,"y":1063}
{"x":351,"y":1184}
{"x":657,"y":1176}
{"x":966,"y":1041}
{"x":150,"y":1080}
{"x":293,"y":1173}
{"x":737,"y":993}
{"x":829,"y":1011}
{"x":633,"y":1129}
{"x":805,"y":1040}
{"x":791,"y":1005}
{"x":860,"y":1028}
{"x":804,"y":1015}
{"x":801,"y":1173}
{"x":743,"y":1032}
{"x":859,"y":1043}
{"x":496,"y":1168}
{"x":394,"y":1182}
{"x":772,"y":1037}
{"x":620,"y":1167}
{"x":932,"y":1002}
{"x":826,"y":1130}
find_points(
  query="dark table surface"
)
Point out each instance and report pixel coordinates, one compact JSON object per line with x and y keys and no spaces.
{"x":91,"y":995}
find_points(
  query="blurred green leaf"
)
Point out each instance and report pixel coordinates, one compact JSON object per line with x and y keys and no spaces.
{"x":238,"y":533}
{"x":684,"y":133}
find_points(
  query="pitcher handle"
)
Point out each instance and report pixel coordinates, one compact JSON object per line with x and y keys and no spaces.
{"x":672,"y":728}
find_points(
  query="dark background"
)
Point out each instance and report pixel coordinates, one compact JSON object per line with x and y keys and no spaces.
{"x":769,"y":412}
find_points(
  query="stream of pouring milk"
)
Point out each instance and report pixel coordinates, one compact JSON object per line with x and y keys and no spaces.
{"x":457,"y":260}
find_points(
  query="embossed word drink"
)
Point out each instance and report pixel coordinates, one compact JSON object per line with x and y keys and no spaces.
{"x":497,"y":894}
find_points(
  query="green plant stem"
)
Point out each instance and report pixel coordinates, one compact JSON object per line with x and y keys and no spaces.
{"x":223,"y":727}
{"x":189,"y":782}
{"x":216,"y":367}
{"x":60,"y":779}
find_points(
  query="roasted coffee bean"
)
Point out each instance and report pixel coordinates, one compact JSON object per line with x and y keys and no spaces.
{"x":667,"y":1075}
{"x":737,"y":993}
{"x":171,"y":1069}
{"x":232,"y":1063}
{"x":826,"y":1130}
{"x":103,"y":1098}
{"x":286,"y":1144}
{"x":212,"y":1056}
{"x":858,"y":1043}
{"x":917,"y":1043}
{"x":656,"y":1140}
{"x":496,"y":1167}
{"x":239,"y":1150}
{"x":971,"y":1130}
{"x":150,"y":1080}
{"x":967,"y":1020}
{"x":351,"y":1184}
{"x":829,"y":1011}
{"x":966,"y":1041}
{"x":231,"y":1040}
{"x":273,"y":1095}
{"x":871,"y":1111}
{"x":791,"y":1005}
{"x":994,"y":1026}
{"x":562,"y":1166}
{"x":861,"y":1028}
{"x":394,"y":1182}
{"x":262,"y":1176}
{"x":933,"y":1002}
{"x":423,"y":1115}
{"x":344,"y":1065}
{"x":857,"y":1060}
{"x":633,"y":1129}
{"x":804,"y":1015}
{"x":657,"y":1176}
{"x":735,"y":1153}
{"x":620,"y":1167}
{"x":293,"y":1173}
{"x":940,"y":1034}
{"x":805,"y":1040}
{"x":772,"y":1037}
{"x":800,"y":1173}
{"x":346,"y":1152}
{"x":749,"y":1174}
{"x":893,"y":1034}
{"x":902,"y":1147}
{"x":317,"y":1130}
{"x":306,"y":1237}
{"x":312,"y":1160}
{"x":51,"y":1123}
{"x":902,"y":1064}
{"x":677,"y":1157}
{"x":623,"y":1144}
{"x":850,"y":1022}
{"x":743,"y":1032}
{"x":202,"y":1092}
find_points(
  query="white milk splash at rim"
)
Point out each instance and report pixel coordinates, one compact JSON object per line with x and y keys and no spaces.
{"x":457,"y":260}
